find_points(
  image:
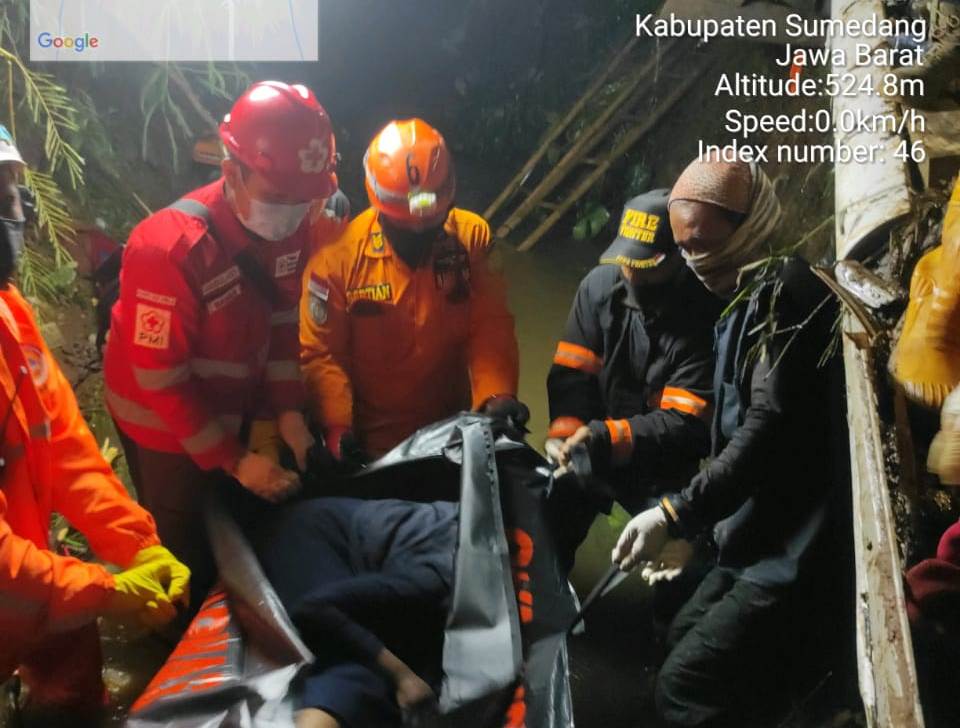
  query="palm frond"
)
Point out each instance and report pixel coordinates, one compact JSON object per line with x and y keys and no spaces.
{"x":53,"y":215}
{"x":49,"y":105}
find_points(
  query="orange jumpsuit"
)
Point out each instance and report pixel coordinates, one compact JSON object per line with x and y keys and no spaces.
{"x":51,"y":462}
{"x":386,"y":349}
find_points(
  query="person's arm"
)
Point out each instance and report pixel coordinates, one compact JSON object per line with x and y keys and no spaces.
{"x":492,"y":351}
{"x":53,"y":592}
{"x":573,"y":386}
{"x":677,"y":430}
{"x":321,"y":624}
{"x":325,"y":345}
{"x":779,"y":384}
{"x":341,"y":606}
{"x":85,"y":488}
{"x":163,"y":312}
{"x":720,"y":488}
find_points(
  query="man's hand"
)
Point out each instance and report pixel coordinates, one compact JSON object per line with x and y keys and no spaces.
{"x":263,"y":477}
{"x":294,"y":431}
{"x":343,"y":445}
{"x":670,"y":563}
{"x":509,"y":408}
{"x":151,"y":588}
{"x":642,"y":539}
{"x":582,"y":435}
{"x":413,"y":693}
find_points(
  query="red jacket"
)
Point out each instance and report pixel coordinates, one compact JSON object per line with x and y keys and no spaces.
{"x":52,"y":463}
{"x":196,"y":348}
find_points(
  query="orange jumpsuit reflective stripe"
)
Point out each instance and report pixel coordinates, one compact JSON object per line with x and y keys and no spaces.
{"x":386,"y":350}
{"x":52,"y":463}
{"x":683,"y":400}
{"x":579,"y":357}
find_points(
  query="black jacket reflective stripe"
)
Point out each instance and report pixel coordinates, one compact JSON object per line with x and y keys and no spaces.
{"x":767,"y":485}
{"x":644,"y":348}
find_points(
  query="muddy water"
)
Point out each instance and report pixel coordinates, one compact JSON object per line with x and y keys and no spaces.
{"x":542,"y":284}
{"x":611,"y":671}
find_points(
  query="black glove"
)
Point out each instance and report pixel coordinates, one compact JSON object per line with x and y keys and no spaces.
{"x":504,"y":407}
{"x":344,"y":450}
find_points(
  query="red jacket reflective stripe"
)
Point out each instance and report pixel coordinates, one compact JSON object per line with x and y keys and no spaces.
{"x":52,"y":463}
{"x":195,"y":348}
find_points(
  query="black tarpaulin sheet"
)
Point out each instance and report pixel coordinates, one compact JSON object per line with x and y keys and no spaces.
{"x":504,"y":659}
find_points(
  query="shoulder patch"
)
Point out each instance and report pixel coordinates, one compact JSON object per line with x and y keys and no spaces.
{"x":38,"y":364}
{"x":153,"y":327}
{"x":318,"y":310}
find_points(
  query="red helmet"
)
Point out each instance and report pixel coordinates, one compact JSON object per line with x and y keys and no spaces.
{"x":409,"y":171}
{"x":283,"y":133}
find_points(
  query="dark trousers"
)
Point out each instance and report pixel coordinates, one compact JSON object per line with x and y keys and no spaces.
{"x":730,"y":649}
{"x":175,"y":491}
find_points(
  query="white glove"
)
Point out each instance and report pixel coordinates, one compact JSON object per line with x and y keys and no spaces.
{"x":642,"y":539}
{"x":671,"y":562}
{"x":944,"y":455}
{"x":552,"y":448}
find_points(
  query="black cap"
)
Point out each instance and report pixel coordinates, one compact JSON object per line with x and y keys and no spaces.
{"x":644,"y":239}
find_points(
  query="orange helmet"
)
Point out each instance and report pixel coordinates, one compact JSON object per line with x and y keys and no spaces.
{"x":409,"y":172}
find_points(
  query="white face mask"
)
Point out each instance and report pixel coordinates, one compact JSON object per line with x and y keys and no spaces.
{"x":274,"y":221}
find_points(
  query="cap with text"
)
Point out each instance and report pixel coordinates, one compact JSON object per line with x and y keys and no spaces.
{"x":644,"y":239}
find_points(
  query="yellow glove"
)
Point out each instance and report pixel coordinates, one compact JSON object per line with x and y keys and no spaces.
{"x":151,"y":586}
{"x":265,"y":439}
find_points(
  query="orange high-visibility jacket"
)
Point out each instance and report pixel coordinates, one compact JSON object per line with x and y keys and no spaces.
{"x":386,"y":349}
{"x":52,"y":463}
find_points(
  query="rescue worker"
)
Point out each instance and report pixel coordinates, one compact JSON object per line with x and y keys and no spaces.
{"x":203,"y":337}
{"x":767,"y":489}
{"x":50,"y":461}
{"x":632,"y":376}
{"x":403,"y":321}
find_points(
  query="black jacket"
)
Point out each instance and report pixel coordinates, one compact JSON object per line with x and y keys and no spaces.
{"x":640,"y":371}
{"x":767,"y":486}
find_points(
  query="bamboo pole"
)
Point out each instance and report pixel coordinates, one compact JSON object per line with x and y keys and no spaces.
{"x":631,"y":138}
{"x":582,"y":146}
{"x":558,"y":129}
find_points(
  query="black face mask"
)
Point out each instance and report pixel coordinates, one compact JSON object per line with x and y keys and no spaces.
{"x":413,"y":247}
{"x":11,"y":245}
{"x":649,"y":293}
